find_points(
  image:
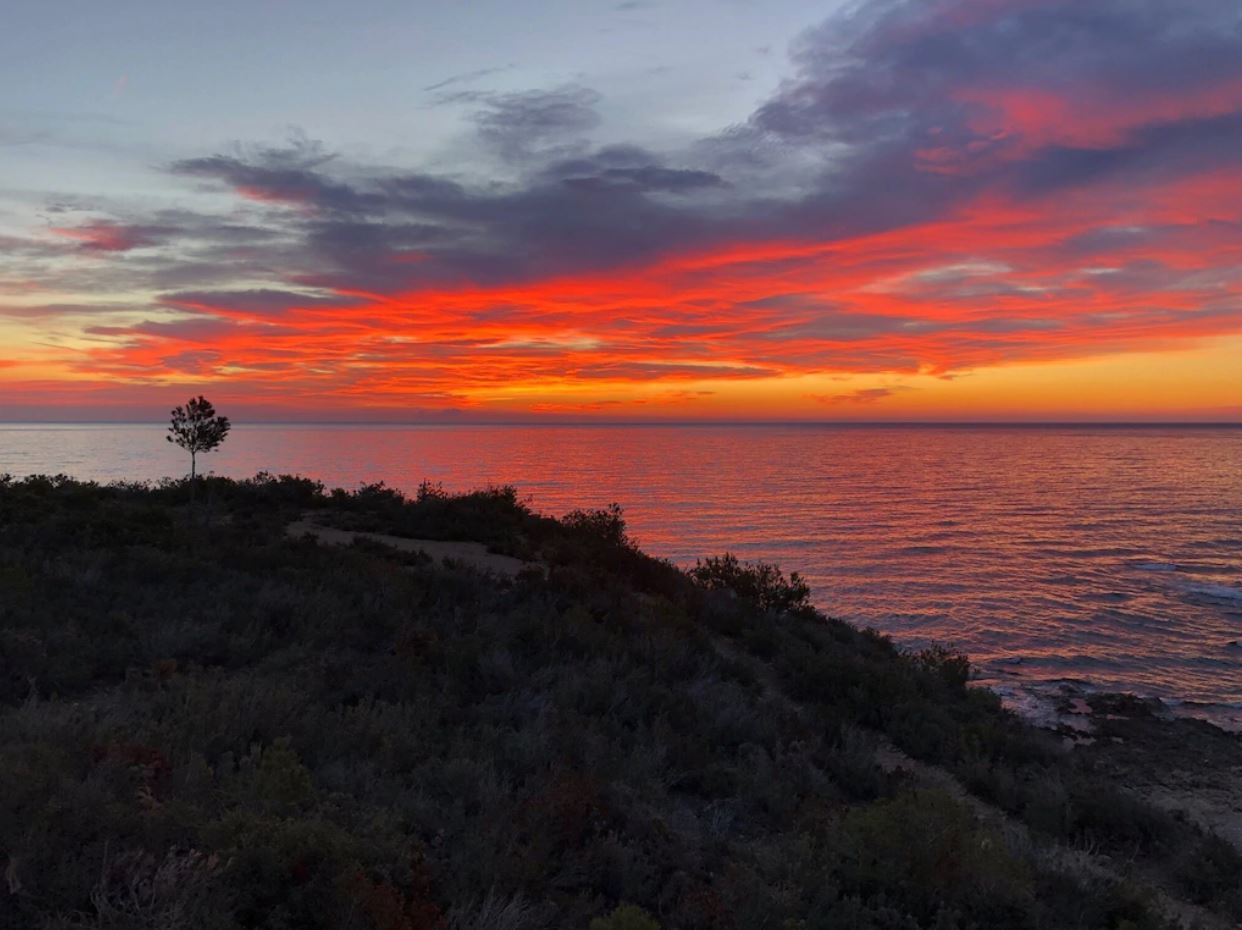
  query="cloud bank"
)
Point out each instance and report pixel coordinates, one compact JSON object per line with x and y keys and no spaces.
{"x":937,"y":187}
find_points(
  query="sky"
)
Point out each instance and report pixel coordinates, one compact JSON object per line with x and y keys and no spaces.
{"x":655,"y":209}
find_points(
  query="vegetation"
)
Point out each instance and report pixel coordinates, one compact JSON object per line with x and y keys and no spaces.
{"x":762,"y":586}
{"x":197,"y":427}
{"x":214,"y":725}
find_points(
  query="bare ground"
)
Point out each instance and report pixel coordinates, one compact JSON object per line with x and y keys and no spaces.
{"x":473,"y":554}
{"x":1181,"y":765}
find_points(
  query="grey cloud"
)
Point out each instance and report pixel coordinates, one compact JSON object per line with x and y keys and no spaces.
{"x":520,"y":125}
{"x":258,"y":302}
{"x":282,"y":175}
{"x":1153,"y":152}
{"x":888,"y":79}
{"x":465,"y":78}
{"x":648,"y":178}
{"x":51,"y":311}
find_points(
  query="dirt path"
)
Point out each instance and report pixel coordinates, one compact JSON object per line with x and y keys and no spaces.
{"x":467,"y":553}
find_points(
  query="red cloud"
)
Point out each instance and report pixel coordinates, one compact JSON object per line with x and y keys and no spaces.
{"x":1088,"y":117}
{"x":999,"y":281}
{"x":104,"y":236}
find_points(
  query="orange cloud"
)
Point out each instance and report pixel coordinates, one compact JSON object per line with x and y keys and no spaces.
{"x":996,"y":283}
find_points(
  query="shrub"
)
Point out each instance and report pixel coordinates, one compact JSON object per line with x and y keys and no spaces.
{"x":388,"y":907}
{"x":428,"y":491}
{"x":136,"y":890}
{"x":949,"y":665}
{"x":605,"y":526}
{"x":626,"y":917}
{"x":926,"y":849}
{"x":281,"y":778}
{"x":762,"y":585}
{"x":1211,"y":871}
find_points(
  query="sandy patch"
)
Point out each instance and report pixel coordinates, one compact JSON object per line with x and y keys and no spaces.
{"x":466,"y":553}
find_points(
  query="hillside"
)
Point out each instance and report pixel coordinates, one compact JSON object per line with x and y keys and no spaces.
{"x":262,"y":709}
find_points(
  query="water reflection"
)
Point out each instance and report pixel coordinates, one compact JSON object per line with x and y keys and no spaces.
{"x":1113,"y":554}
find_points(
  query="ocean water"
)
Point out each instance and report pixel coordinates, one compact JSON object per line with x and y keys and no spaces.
{"x":1098,"y":557}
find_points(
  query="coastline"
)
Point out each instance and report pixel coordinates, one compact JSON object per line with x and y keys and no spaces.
{"x":1186,"y":766}
{"x":310,"y":702}
{"x":1021,"y":544}
{"x":1052,"y":703}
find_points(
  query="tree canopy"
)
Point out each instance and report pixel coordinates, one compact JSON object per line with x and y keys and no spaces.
{"x":197,"y":427}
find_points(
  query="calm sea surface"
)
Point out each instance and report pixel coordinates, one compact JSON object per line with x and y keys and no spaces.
{"x":1107,"y":557}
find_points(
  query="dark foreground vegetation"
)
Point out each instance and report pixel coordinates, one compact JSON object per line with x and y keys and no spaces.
{"x":207,"y":724}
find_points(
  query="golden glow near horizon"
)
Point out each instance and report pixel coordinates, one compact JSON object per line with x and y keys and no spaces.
{"x":1193,"y":383}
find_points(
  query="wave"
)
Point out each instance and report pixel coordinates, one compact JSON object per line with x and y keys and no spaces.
{"x":1214,"y":591}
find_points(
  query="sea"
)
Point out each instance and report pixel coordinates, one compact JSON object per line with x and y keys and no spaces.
{"x":1062,"y":559}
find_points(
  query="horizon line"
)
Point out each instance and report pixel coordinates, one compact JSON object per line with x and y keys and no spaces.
{"x":659,"y":423}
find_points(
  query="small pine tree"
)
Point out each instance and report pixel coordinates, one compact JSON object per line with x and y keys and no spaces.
{"x":196,"y":428}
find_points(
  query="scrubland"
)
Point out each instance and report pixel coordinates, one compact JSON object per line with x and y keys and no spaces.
{"x":205,"y":723}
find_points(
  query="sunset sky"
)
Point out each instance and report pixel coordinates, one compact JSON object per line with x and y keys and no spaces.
{"x":675,"y":209}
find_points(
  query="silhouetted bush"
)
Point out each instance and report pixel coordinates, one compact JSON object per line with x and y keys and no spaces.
{"x":1210,"y":871}
{"x":929,"y":853}
{"x":759,"y":584}
{"x":605,"y":526}
{"x":949,"y":665}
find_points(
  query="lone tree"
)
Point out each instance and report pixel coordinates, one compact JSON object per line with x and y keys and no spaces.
{"x":196,"y":428}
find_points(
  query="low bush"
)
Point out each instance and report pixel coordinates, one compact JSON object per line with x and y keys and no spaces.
{"x":758,"y":584}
